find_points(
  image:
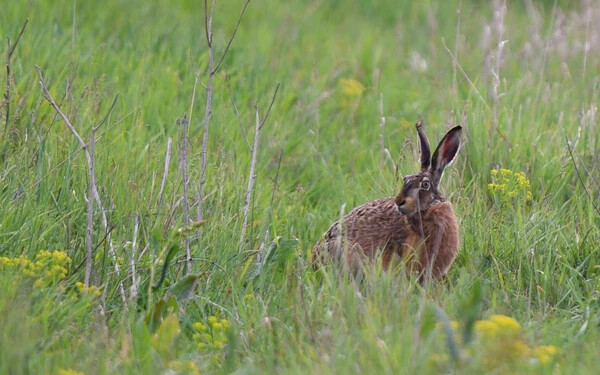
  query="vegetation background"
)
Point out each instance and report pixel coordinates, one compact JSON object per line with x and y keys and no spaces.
{"x":521,"y":77}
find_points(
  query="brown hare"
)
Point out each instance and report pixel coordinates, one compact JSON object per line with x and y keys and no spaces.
{"x":418,"y":225}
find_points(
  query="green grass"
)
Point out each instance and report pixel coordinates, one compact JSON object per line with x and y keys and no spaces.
{"x":537,"y":261}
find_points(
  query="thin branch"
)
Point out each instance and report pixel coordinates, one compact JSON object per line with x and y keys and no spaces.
{"x":165,"y":173}
{"x":91,"y":172}
{"x":112,"y":106}
{"x":579,"y":175}
{"x":270,"y":105}
{"x":251,"y":179}
{"x":207,"y":114}
{"x":183,"y":124}
{"x":252,"y":176}
{"x":79,"y":149}
{"x":232,"y":37}
{"x":89,"y":239}
{"x":134,"y":278}
{"x":10,"y":51}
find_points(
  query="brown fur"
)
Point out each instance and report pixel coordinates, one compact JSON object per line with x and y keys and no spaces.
{"x":378,"y":226}
{"x":418,"y":225}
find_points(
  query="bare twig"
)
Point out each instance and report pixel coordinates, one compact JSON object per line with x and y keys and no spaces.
{"x":262,"y":246}
{"x":10,"y":51}
{"x":165,"y":173}
{"x":89,"y":239}
{"x":232,"y":37}
{"x":270,"y":105}
{"x":208,"y":22}
{"x":91,"y":172}
{"x":79,"y":149}
{"x":134,"y":278}
{"x":207,"y":112}
{"x":579,"y":176}
{"x":251,"y":179}
{"x":252,"y":176}
{"x":183,"y":124}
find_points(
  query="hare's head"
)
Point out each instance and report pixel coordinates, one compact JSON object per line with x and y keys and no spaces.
{"x":420,"y":190}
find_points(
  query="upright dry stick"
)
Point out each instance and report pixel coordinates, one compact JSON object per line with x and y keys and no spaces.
{"x":207,"y":111}
{"x":134,"y":278}
{"x":165,"y":173}
{"x":91,"y":171}
{"x":208,"y":19}
{"x":252,"y":177}
{"x":183,"y":124}
{"x":251,"y":180}
{"x":9,"y":53}
{"x":89,"y":239}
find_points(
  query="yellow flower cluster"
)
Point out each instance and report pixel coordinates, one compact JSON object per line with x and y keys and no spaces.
{"x":502,"y":338}
{"x":351,"y":87}
{"x":184,"y":367}
{"x":508,"y":184}
{"x":499,"y":345}
{"x":46,"y":268}
{"x":69,"y":371}
{"x":91,"y":290}
{"x":212,"y":335}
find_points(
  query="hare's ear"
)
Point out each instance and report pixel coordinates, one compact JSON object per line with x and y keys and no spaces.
{"x":424,"y":149}
{"x":445,"y":152}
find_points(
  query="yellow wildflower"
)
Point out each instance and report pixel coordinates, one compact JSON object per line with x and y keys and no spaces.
{"x":506,"y":323}
{"x":486,"y":327}
{"x":546,"y":353}
{"x":68,"y":371}
{"x":351,"y":87}
{"x":198,"y":326}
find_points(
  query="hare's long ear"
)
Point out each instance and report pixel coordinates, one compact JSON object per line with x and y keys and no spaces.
{"x":445,"y":152}
{"x":424,"y":149}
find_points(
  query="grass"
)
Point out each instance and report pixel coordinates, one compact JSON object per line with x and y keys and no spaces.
{"x":536,"y":260}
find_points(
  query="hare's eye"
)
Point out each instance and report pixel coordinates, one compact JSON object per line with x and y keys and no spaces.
{"x":425,"y":184}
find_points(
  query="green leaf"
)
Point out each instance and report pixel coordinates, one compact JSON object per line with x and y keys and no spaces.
{"x":184,"y":287}
{"x":164,"y":307}
{"x":173,"y":249}
{"x":163,"y":340}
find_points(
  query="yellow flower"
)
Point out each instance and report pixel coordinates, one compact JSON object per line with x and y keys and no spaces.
{"x":198,"y":326}
{"x":486,"y":328}
{"x":212,"y":319}
{"x":506,"y":323}
{"x":68,"y":371}
{"x":546,"y":353}
{"x":351,"y":87}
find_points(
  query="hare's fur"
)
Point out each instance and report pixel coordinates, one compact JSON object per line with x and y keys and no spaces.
{"x":426,"y":238}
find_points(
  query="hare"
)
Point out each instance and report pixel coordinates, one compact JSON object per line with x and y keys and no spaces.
{"x":418,"y":225}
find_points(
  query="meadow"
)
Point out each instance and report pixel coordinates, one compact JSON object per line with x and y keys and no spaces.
{"x":333,"y":90}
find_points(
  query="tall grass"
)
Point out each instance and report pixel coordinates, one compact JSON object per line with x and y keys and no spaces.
{"x":534,"y":260}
